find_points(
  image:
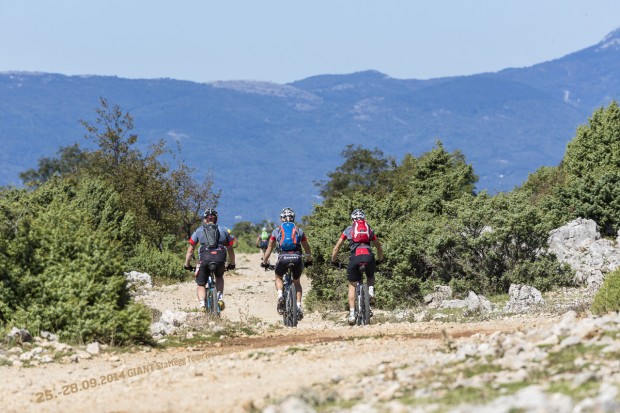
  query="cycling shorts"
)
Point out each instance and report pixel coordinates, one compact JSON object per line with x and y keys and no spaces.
{"x":282,"y":264}
{"x":353,"y":270}
{"x":204,"y":271}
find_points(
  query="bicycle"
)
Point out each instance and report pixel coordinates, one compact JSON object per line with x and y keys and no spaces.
{"x":363,"y":312}
{"x":289,"y":292}
{"x":212,"y":306}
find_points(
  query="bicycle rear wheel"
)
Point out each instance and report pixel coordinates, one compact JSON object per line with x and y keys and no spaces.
{"x":363,"y":306}
{"x":213,"y":308}
{"x":290,"y":312}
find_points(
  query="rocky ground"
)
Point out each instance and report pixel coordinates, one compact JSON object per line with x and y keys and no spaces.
{"x":555,"y":358}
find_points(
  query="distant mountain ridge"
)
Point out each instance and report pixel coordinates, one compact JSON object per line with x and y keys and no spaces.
{"x":266,"y":143}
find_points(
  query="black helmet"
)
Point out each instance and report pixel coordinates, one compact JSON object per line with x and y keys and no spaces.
{"x":357,"y":214}
{"x":287,"y":215}
{"x":210,"y":212}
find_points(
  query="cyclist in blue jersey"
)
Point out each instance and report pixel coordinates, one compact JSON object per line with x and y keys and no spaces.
{"x":289,"y":240}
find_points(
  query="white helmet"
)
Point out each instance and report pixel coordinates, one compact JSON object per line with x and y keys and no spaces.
{"x":287,"y":215}
{"x":357,"y":214}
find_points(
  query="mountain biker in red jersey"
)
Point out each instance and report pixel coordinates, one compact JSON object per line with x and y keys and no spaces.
{"x":215,"y":243}
{"x":360,"y":252}
{"x":293,"y":254}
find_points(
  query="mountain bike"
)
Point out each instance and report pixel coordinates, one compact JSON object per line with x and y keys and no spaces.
{"x":363,"y":312}
{"x":212,"y":307}
{"x":289,"y":292}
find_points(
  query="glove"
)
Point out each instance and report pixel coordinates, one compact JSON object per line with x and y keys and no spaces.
{"x":378,"y":262}
{"x":264,"y":265}
{"x":308,"y":264}
{"x":189,"y":267}
{"x":230,"y":266}
{"x":336,"y":264}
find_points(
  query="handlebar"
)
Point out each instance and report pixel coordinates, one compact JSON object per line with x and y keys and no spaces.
{"x":267,"y":266}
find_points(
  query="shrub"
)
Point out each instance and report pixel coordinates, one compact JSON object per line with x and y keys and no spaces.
{"x":165,"y":265}
{"x":62,"y":270}
{"x":607,"y":297}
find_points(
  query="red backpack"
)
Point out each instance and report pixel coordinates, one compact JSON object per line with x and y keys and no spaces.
{"x":360,"y":231}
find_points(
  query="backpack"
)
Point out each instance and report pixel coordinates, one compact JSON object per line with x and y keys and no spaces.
{"x":212,"y":235}
{"x":289,"y":238}
{"x":360,"y":232}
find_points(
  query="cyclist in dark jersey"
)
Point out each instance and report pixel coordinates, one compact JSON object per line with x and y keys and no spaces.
{"x":360,"y":252}
{"x":217,"y":253}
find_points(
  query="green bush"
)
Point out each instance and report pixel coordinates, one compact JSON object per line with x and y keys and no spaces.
{"x":163,"y":265}
{"x":62,"y":268}
{"x":607,"y":298}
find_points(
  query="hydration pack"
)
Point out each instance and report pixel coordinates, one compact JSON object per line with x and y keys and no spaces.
{"x":212,"y":235}
{"x":289,"y":238}
{"x":360,"y":231}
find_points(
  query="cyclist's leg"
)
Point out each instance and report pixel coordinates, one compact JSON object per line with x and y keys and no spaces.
{"x":370,"y":278}
{"x":353,"y":275}
{"x":219,"y":277}
{"x":201,"y":281}
{"x":279,"y":282}
{"x":297,"y":269}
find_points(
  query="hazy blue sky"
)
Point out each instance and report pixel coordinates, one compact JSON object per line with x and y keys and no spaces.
{"x":287,"y":40}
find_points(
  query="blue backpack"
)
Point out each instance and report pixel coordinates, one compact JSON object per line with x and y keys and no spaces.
{"x":289,"y":238}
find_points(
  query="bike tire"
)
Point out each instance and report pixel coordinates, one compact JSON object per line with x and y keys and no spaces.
{"x":293,"y":305}
{"x":362,"y":305}
{"x":366,"y":308}
{"x":213,"y":308}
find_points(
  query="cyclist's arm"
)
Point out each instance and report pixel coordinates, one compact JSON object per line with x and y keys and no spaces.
{"x":336,"y":248}
{"x":258,"y":242}
{"x":379,"y":248}
{"x":272,"y":243}
{"x":307,"y":250}
{"x":189,"y":255}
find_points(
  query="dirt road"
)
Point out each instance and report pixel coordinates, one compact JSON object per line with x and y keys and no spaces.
{"x":234,"y":374}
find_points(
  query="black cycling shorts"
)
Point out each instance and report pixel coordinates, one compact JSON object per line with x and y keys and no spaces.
{"x":204,"y":271}
{"x":283,"y":261}
{"x":353,"y":270}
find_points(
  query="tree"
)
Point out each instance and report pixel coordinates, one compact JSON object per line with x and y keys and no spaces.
{"x":68,"y":162}
{"x":361,"y":170}
{"x":164,"y":201}
{"x":595,"y":150}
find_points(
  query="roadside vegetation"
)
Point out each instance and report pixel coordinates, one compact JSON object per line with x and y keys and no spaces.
{"x":86,"y":216}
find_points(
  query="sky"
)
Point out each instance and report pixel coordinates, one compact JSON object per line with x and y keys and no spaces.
{"x":287,"y":40}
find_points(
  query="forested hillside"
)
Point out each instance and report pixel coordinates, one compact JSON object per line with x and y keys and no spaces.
{"x":506,"y":124}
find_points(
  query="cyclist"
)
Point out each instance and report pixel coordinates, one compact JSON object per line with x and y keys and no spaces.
{"x":289,"y":240}
{"x":262,"y":241}
{"x":360,"y":237}
{"x":215,"y":246}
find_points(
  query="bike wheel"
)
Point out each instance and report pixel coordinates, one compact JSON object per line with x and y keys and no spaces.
{"x":293,"y":305}
{"x":213,"y":309}
{"x":362,"y":305}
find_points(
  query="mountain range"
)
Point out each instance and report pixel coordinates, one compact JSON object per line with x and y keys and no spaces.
{"x":265,"y":144}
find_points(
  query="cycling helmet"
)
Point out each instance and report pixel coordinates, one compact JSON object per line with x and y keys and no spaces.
{"x":210,"y":212}
{"x":287,"y":215}
{"x":357,"y":214}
